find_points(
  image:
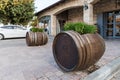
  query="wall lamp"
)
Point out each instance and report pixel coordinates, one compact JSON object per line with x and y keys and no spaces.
{"x":85,"y":5}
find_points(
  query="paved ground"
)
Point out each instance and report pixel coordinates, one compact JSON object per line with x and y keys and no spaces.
{"x":116,"y":76}
{"x":20,"y":62}
{"x":112,"y":51}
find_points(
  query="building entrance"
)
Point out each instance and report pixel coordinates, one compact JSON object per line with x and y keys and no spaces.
{"x":112,"y":25}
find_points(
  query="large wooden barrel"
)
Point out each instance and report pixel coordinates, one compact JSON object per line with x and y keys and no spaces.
{"x":36,"y":38}
{"x":73,"y":51}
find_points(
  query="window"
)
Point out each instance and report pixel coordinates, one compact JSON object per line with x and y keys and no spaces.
{"x":7,"y":27}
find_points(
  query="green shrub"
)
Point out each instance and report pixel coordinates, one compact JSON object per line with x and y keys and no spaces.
{"x":40,"y":30}
{"x":69,"y":26}
{"x":80,"y":27}
{"x":89,"y":29}
{"x":36,"y":29}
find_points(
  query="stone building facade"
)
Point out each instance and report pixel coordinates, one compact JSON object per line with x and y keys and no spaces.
{"x":105,"y":14}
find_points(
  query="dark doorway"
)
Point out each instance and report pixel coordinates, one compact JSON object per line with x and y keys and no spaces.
{"x":62,"y":18}
{"x":62,"y":22}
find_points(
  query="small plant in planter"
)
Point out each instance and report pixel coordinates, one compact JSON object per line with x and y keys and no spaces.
{"x":34,"y":29}
{"x":78,"y":47}
{"x":81,"y":28}
{"x":36,"y":36}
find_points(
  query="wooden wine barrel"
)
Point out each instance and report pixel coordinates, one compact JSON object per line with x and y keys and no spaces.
{"x":45,"y":38}
{"x":73,"y":51}
{"x":36,"y":38}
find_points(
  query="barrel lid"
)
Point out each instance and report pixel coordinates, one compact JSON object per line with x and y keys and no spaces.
{"x":65,"y":51}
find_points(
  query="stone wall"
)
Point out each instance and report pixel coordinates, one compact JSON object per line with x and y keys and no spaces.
{"x":75,"y":14}
{"x":63,"y":15}
{"x":104,"y":6}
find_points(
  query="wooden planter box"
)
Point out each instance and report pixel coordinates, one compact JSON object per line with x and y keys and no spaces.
{"x":36,"y":38}
{"x":73,"y":51}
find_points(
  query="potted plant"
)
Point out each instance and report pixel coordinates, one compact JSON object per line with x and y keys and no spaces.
{"x":36,"y":36}
{"x":78,"y":47}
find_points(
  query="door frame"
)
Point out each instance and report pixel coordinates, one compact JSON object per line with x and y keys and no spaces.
{"x":105,"y":26}
{"x":115,"y":23}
